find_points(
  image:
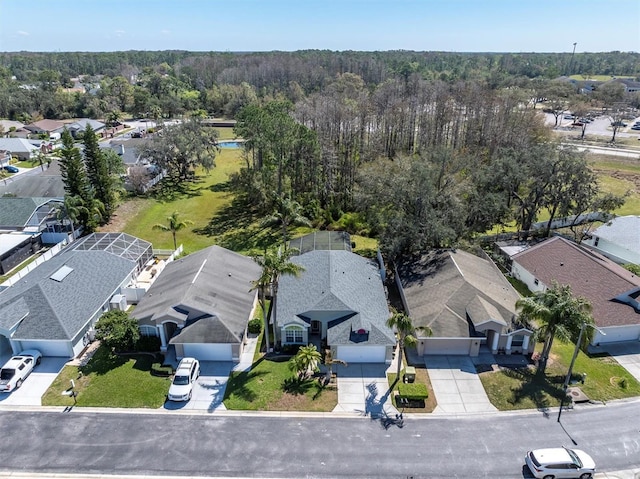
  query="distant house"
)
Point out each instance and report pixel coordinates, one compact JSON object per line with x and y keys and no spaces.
{"x":27,"y":214}
{"x":630,"y":86}
{"x":339,"y":300}
{"x":19,"y":147}
{"x":611,"y":289}
{"x":55,"y":306}
{"x":45,"y":183}
{"x":13,"y":129}
{"x":46,"y":127}
{"x":618,"y":239}
{"x":466,"y":302}
{"x":80,"y":125}
{"x":201,"y":304}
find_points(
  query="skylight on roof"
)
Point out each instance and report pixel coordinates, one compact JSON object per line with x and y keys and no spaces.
{"x":61,"y":274}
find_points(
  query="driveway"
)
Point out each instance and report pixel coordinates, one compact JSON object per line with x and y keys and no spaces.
{"x":31,"y":391}
{"x":457,"y":386}
{"x":627,"y":354}
{"x":363,"y":388}
{"x":208,"y":391}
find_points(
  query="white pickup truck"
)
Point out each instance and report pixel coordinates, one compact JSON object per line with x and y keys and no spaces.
{"x":16,"y":370}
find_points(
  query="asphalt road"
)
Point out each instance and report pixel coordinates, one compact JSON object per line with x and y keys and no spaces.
{"x":488,"y":446}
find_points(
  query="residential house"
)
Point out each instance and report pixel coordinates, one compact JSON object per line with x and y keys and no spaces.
{"x":13,"y":129}
{"x":618,"y":239}
{"x":19,"y":147}
{"x":48,"y":127}
{"x":27,"y":214}
{"x":464,"y":300}
{"x":80,"y":125}
{"x":45,"y":183}
{"x":54,"y":307}
{"x":339,"y":301}
{"x":5,"y":158}
{"x":201,"y":304}
{"x":611,"y":289}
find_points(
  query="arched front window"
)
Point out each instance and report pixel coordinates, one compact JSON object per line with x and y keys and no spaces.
{"x":293,"y":334}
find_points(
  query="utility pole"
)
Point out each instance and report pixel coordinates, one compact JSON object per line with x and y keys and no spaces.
{"x":571,"y":59}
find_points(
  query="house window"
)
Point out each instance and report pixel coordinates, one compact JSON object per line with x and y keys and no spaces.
{"x":293,"y":335}
{"x":595,"y":243}
{"x":147,"y":330}
{"x":535,"y":281}
{"x":517,"y":340}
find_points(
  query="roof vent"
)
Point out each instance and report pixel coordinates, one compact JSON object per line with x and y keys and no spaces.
{"x":61,"y":274}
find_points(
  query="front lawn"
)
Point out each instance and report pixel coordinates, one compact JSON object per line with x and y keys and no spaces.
{"x":108,"y":381}
{"x":522,"y":388}
{"x":271,"y":386}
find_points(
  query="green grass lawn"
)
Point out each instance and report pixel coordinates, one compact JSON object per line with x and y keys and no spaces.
{"x":521,"y":388}
{"x":271,"y":386}
{"x":422,"y":377}
{"x":108,"y":381}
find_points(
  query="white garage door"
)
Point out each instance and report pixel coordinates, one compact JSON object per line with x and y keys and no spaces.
{"x":49,"y":348}
{"x":208,"y":352}
{"x":362,"y":354}
{"x":446,"y":346}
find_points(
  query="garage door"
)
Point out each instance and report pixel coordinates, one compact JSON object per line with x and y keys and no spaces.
{"x":362,"y":354}
{"x":49,"y":348}
{"x":446,"y":346}
{"x":208,"y":352}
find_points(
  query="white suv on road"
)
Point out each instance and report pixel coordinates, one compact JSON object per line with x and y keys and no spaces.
{"x":16,"y":370}
{"x":182,"y":384}
{"x":557,"y":462}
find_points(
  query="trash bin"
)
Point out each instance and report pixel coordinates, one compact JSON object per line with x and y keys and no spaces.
{"x":409,"y":374}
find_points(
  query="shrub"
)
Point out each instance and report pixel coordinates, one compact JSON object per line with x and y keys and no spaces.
{"x":255,"y":326}
{"x":290,"y":348}
{"x":623,"y":383}
{"x":413,"y":391}
{"x":148,"y":344}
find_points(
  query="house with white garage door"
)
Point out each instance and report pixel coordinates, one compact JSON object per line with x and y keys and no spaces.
{"x":54,"y":307}
{"x":339,"y":299}
{"x":612,"y":290}
{"x":464,"y":300}
{"x":201,"y":304}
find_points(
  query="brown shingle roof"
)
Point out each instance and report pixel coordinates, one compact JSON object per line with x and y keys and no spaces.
{"x":589,"y":274}
{"x":47,"y":125}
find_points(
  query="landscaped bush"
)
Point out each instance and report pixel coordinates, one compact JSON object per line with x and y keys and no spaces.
{"x":148,"y":344}
{"x":290,"y":349}
{"x":255,"y":326}
{"x":413,"y":391}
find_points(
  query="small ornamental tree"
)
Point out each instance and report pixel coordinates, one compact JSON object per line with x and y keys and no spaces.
{"x":117,"y":331}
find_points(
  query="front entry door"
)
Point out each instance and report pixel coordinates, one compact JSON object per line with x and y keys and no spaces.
{"x":315,"y":327}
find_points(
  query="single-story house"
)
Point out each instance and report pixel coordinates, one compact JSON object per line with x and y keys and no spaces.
{"x":27,"y":214}
{"x":338,"y":300}
{"x":81,"y":124}
{"x":54,"y":307}
{"x":48,"y":127}
{"x":13,"y":129}
{"x":19,"y":147}
{"x":464,"y":300}
{"x":618,"y":239}
{"x":201,"y":304}
{"x":611,"y":289}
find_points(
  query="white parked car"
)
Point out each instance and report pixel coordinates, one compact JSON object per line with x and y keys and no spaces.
{"x":182,"y":385}
{"x":560,"y":462}
{"x":16,"y":370}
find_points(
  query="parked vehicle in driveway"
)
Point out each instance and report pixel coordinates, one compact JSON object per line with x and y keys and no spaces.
{"x":16,"y":370}
{"x":11,"y":169}
{"x":560,"y":462}
{"x":182,"y":385}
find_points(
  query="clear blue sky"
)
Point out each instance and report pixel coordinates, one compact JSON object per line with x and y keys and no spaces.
{"x":265,"y":25}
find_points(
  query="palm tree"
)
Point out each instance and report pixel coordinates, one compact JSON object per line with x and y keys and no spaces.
{"x":174,"y":224}
{"x":405,"y":330}
{"x":558,"y":314}
{"x":287,"y":212}
{"x":329,"y":362}
{"x":274,"y":263}
{"x":70,"y":209}
{"x":306,"y":361}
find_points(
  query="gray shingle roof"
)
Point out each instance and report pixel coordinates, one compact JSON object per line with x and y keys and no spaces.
{"x":443,"y":287}
{"x":17,"y":145}
{"x":623,"y":231}
{"x":345,"y":286}
{"x":15,"y":212}
{"x":59,"y":310}
{"x":212,"y":286}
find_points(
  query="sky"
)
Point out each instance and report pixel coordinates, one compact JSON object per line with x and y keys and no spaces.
{"x":338,"y":25}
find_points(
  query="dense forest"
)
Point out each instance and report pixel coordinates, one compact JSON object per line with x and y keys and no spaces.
{"x":420,"y":149}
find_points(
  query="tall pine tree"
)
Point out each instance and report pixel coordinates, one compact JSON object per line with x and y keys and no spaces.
{"x":98,"y":173}
{"x":76,"y":185}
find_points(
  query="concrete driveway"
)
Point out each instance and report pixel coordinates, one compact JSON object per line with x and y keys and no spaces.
{"x":627,"y":354}
{"x":31,"y":391}
{"x":363,"y":388}
{"x":208,"y":391}
{"x":457,"y":386}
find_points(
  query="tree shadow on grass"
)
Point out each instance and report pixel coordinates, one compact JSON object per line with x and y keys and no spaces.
{"x":237,"y":385}
{"x":535,"y":386}
{"x":102,"y":362}
{"x":237,"y":227}
{"x":297,"y":386}
{"x":169,"y":190}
